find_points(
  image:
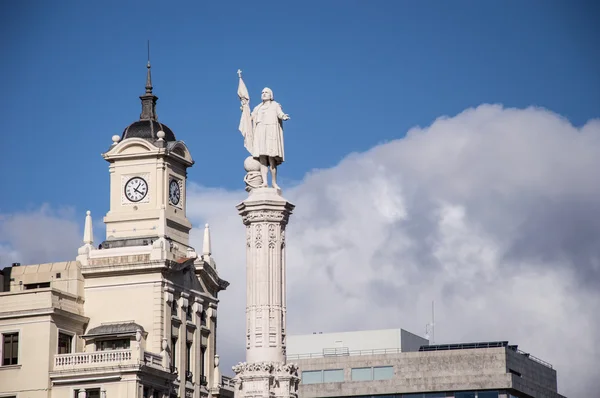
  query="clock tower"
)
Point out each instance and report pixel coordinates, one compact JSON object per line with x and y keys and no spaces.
{"x":148,"y":170}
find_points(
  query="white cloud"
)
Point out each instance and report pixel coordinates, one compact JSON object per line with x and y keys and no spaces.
{"x":38,"y":236}
{"x":493,"y":213}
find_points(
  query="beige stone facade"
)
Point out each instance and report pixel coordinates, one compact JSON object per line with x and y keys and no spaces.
{"x":134,"y":316}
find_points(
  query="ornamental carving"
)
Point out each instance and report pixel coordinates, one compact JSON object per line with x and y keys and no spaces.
{"x":272,"y":236}
{"x":256,"y":367}
{"x":248,"y":236}
{"x":265,"y":215}
{"x":282,"y":237}
{"x":258,"y":240}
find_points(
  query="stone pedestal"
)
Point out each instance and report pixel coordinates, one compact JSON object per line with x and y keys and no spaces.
{"x":265,"y":373}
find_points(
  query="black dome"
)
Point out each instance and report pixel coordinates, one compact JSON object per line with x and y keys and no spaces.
{"x":147,"y":130}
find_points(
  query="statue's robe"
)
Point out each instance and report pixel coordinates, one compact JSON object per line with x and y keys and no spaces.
{"x":268,"y":131}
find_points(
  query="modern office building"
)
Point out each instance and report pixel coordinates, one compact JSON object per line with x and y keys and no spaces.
{"x":134,"y":316}
{"x":398,"y":364}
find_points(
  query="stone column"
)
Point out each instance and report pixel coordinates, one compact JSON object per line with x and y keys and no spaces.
{"x":264,"y":374}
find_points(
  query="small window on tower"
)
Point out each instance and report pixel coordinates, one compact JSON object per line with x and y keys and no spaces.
{"x":64,"y":343}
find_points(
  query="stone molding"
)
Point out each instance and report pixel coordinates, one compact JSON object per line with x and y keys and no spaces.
{"x":265,"y":368}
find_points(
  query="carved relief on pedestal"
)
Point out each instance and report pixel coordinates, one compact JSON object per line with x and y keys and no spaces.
{"x":279,"y":378}
{"x":265,"y":215}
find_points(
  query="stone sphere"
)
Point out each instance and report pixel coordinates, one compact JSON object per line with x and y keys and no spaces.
{"x":251,"y":164}
{"x":160,"y":134}
{"x":116,"y":138}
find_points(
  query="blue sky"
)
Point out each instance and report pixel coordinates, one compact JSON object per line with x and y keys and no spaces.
{"x":351,"y":74}
{"x":492,"y":207}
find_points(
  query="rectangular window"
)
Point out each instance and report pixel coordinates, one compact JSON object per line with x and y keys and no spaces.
{"x":113,"y":344}
{"x":10,"y":348}
{"x":383,"y":372}
{"x":64,"y":343}
{"x":464,"y":394}
{"x":333,"y":375}
{"x":29,"y":286}
{"x":312,"y":377}
{"x":435,"y":395}
{"x":173,"y":351}
{"x":89,"y":392}
{"x":188,"y":354}
{"x":188,"y":313}
{"x":487,"y":394}
{"x":174,"y":307}
{"x":203,"y":360}
{"x":362,"y":374}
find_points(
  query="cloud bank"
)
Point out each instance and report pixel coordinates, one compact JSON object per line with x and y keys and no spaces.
{"x":493,"y":213}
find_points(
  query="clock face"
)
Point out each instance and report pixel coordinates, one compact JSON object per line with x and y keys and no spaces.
{"x":136,"y":189}
{"x":174,"y":192}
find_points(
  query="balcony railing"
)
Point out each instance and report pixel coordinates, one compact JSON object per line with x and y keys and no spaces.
{"x":92,"y":359}
{"x":343,"y":352}
{"x":227,"y":381}
{"x":153,"y":360}
{"x":82,"y":360}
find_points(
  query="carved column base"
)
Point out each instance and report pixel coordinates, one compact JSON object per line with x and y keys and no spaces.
{"x":266,"y":380}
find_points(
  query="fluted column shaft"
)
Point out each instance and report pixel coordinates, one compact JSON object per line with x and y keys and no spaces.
{"x":265,"y":219}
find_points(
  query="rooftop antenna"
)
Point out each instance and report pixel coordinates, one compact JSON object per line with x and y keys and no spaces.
{"x":430,"y":327}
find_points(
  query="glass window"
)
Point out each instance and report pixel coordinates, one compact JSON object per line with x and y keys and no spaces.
{"x":362,"y":374}
{"x":89,"y":392}
{"x":113,"y":344}
{"x":64,"y":343}
{"x":312,"y":376}
{"x":464,"y":394}
{"x":202,"y":364}
{"x":10,"y":348}
{"x":173,"y":351}
{"x":435,"y":395}
{"x":188,"y":353}
{"x":29,"y":286}
{"x":333,"y":375}
{"x":412,"y":395}
{"x":383,"y":372}
{"x":487,"y":394}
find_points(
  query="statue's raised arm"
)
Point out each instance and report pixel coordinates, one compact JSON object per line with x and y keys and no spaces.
{"x":263,"y":133}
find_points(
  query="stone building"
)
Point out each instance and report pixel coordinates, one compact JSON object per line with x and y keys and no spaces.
{"x":136,"y":315}
{"x":397,"y":364}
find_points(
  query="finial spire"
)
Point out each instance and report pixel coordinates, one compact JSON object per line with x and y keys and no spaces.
{"x":148,"y":74}
{"x":88,"y":232}
{"x":206,"y":249}
{"x":148,"y":99}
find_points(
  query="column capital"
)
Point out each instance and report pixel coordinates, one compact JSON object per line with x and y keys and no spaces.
{"x":265,"y":205}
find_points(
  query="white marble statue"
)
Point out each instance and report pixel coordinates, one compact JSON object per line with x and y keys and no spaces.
{"x":263,"y":131}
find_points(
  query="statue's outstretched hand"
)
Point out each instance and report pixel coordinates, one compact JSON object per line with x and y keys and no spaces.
{"x":285,"y":117}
